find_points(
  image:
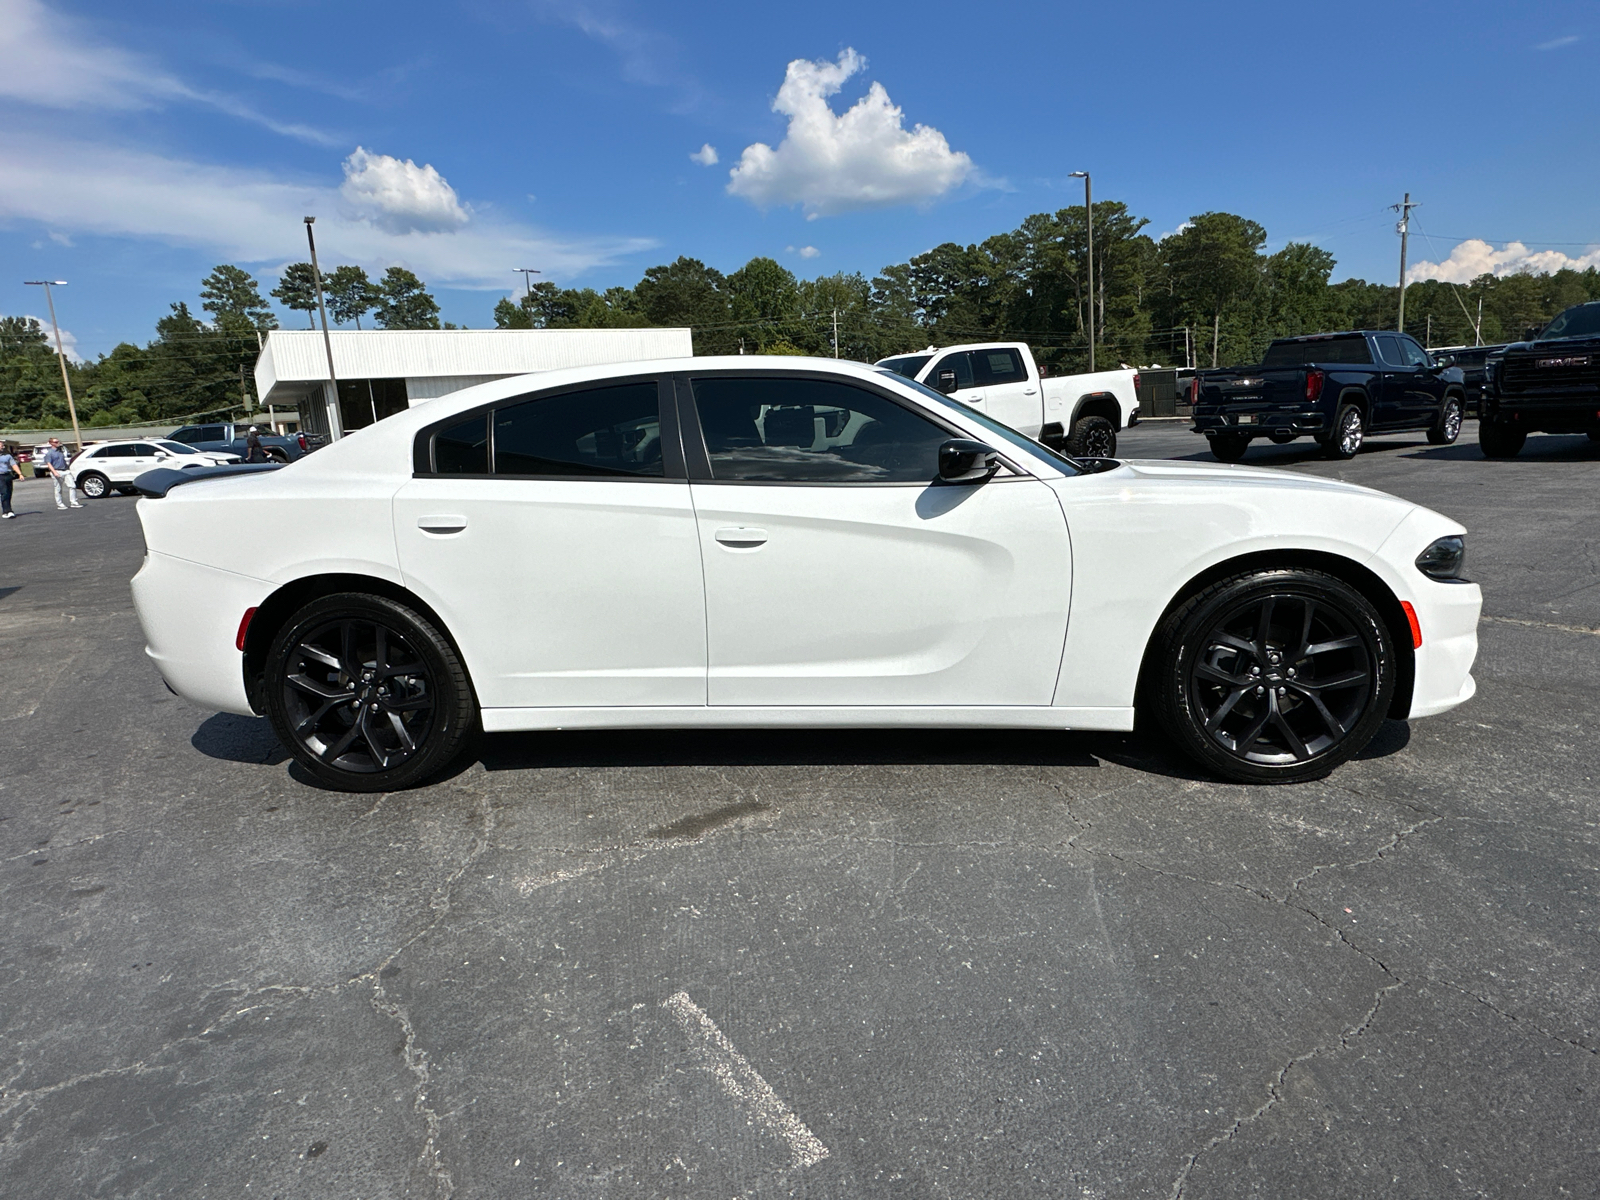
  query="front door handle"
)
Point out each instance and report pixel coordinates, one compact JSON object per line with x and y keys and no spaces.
{"x":441,"y":524}
{"x":741,"y":537}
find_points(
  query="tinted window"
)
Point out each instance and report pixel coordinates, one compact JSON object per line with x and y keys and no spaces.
{"x":813,"y":431}
{"x":1322,"y":350}
{"x":997,"y":366}
{"x":187,"y":434}
{"x":463,"y":449}
{"x":178,"y":448}
{"x":211,"y":433}
{"x":907,"y":366}
{"x":144,"y":450}
{"x":117,"y":452}
{"x":606,"y":431}
{"x":1415,"y":355}
{"x":1389,"y":350}
{"x":960,"y":363}
{"x":1582,"y":320}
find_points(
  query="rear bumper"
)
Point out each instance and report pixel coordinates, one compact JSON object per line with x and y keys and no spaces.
{"x":190,"y":615}
{"x":1263,"y":423}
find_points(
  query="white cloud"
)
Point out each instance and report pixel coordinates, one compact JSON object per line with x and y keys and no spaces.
{"x":69,"y":344}
{"x":1558,"y":43}
{"x":831,"y":163}
{"x":48,"y":61}
{"x":1476,"y":257}
{"x":706,"y":156}
{"x":400,"y":196}
{"x":804,"y":251}
{"x":255,"y":217}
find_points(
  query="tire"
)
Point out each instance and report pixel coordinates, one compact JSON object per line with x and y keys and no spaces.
{"x":94,"y":485}
{"x":1282,"y":439}
{"x":1349,"y":431}
{"x":1324,"y":657}
{"x":329,"y":658}
{"x":275,"y":455}
{"x":1092,"y":437}
{"x":1229,"y":447}
{"x":1448,"y":427}
{"x":1500,"y":441}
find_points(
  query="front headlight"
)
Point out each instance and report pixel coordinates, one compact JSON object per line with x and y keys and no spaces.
{"x":1445,"y":559}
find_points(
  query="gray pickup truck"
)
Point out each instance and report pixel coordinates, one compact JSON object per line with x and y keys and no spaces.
{"x":230,"y":439}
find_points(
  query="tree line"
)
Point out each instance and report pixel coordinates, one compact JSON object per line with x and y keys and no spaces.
{"x":1208,"y":294}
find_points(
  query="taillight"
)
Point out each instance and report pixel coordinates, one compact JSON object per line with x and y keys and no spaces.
{"x":1314,"y":380}
{"x":1194,"y":389}
{"x":244,"y":628}
{"x":1136,"y":381}
{"x":304,"y":445}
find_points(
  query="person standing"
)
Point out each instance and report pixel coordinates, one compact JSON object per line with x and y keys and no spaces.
{"x":253,"y":453}
{"x":55,"y":461}
{"x":8,"y":468}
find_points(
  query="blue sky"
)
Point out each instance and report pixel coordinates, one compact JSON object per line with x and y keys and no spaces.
{"x":141,"y":143}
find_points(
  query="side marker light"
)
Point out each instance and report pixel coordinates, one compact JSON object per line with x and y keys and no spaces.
{"x":244,"y":626}
{"x":1411,"y":617}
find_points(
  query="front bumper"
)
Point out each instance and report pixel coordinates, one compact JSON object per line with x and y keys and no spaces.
{"x":1548,"y":416}
{"x":1447,"y":614}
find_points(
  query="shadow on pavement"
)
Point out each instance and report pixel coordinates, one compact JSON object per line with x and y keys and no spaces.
{"x":239,"y":739}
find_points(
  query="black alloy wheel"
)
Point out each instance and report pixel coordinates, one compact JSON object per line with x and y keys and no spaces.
{"x":94,"y":485}
{"x":1500,"y":441}
{"x":1349,"y":431}
{"x":367,"y":694}
{"x":1448,"y":428}
{"x":1229,"y":447}
{"x":1092,"y":437}
{"x":1274,"y":676}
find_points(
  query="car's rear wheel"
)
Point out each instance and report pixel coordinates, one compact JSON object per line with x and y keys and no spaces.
{"x":94,"y":485}
{"x":1500,"y":441}
{"x":367,"y":693}
{"x":1349,"y":431}
{"x":1229,"y":447}
{"x":1273,"y":676}
{"x":1092,"y":437}
{"x":275,"y":455}
{"x":1448,"y":428}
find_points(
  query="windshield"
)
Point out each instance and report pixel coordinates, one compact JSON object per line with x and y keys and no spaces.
{"x":1321,"y":350}
{"x":1004,"y":433}
{"x":1583,"y":320}
{"x":907,"y":366}
{"x":177,"y":447}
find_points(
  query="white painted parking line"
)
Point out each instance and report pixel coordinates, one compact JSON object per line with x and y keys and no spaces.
{"x":741,"y":1082}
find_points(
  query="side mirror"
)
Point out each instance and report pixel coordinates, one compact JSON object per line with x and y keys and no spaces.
{"x":946,"y":382}
{"x":962,"y":460}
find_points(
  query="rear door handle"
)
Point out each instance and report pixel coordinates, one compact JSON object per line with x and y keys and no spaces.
{"x":741,"y":537}
{"x":441,"y":524}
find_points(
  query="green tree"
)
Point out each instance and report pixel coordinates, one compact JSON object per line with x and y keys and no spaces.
{"x":297,"y":291}
{"x":230,"y":291}
{"x":404,"y":303}
{"x":687,"y":292}
{"x":1215,"y":264}
{"x":350,"y":294}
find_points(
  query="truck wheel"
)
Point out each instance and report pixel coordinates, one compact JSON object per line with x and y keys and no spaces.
{"x":274,"y":454}
{"x":1229,"y":447}
{"x":1092,"y":437}
{"x":94,"y":485}
{"x":1449,"y":426}
{"x":1273,"y":676}
{"x":1349,"y":431}
{"x":1500,"y":441}
{"x":367,"y":694}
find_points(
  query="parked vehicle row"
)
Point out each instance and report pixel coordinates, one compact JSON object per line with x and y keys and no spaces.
{"x":98,"y":470}
{"x":226,"y":438}
{"x":737,"y":542}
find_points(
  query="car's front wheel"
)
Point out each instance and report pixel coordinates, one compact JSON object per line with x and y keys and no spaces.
{"x":93,"y":485}
{"x":1273,"y":676}
{"x":1448,"y":427}
{"x":367,"y":693}
{"x":1500,"y":441}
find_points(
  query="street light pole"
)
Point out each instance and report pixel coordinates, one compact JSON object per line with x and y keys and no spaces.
{"x":527,"y":282}
{"x":327,"y":342}
{"x":61,"y":352}
{"x":1088,"y":211}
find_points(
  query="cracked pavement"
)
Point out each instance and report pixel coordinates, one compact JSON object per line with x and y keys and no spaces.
{"x":968,"y":964}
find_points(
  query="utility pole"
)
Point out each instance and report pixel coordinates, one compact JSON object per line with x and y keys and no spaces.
{"x":61,"y":352}
{"x":1427,"y":339}
{"x":836,"y":333}
{"x":1403,"y":228}
{"x":327,"y":342}
{"x":527,"y":282}
{"x":1088,"y":210}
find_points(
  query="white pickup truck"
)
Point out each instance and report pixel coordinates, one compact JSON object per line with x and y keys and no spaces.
{"x":1081,"y":414}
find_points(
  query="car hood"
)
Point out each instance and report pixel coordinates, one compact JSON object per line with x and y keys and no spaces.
{"x":1190,"y":474}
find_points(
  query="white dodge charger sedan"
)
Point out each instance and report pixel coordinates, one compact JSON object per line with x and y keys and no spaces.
{"x":742,"y":542}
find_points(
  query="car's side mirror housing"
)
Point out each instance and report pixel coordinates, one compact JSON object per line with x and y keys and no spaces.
{"x":946,"y":382}
{"x":962,"y":460}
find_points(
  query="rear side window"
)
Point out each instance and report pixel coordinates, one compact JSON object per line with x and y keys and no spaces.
{"x":996,"y":367}
{"x":605,"y":431}
{"x":812,"y":431}
{"x":1389,"y":350}
{"x":117,"y":452}
{"x":1330,"y":350}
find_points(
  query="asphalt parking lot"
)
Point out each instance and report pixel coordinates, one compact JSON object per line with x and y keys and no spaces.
{"x":811,"y":963}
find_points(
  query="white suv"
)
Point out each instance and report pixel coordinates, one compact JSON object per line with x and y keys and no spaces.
{"x":113,"y":466}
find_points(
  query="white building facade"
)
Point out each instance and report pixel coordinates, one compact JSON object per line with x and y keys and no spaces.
{"x":382,"y":371}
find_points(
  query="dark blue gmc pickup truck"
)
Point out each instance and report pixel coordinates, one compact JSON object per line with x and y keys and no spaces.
{"x":1548,"y":385}
{"x":1333,"y":387}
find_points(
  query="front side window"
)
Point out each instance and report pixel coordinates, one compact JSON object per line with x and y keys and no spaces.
{"x":812,"y":431}
{"x":997,"y":366}
{"x":960,"y":363}
{"x":1415,"y":355}
{"x":605,"y":431}
{"x":908,"y":365}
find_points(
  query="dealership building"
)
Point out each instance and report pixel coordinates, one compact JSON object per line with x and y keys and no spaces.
{"x":383,"y":371}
